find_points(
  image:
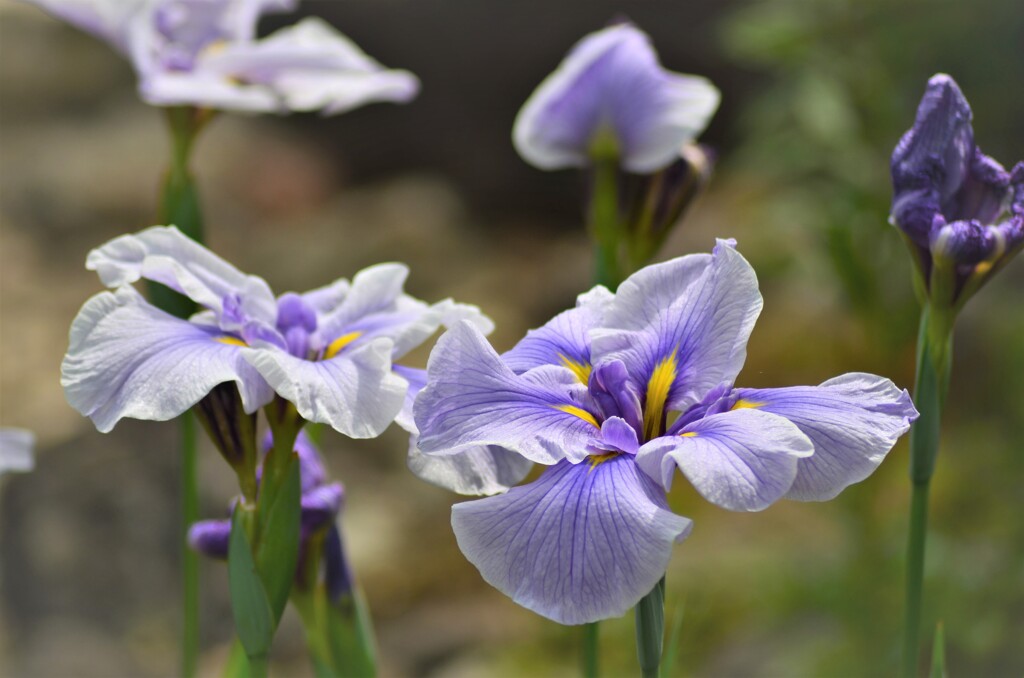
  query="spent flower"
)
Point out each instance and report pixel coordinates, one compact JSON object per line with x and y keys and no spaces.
{"x":613,"y":396}
{"x":205,"y":53}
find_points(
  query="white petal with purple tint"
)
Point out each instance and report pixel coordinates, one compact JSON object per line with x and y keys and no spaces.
{"x":853,"y":421}
{"x":579,"y":544}
{"x":127,"y":358}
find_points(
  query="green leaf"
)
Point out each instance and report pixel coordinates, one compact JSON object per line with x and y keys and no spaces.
{"x":939,"y":653}
{"x":278,"y":553}
{"x":650,"y":629}
{"x":350,"y":636}
{"x":672,"y":649}
{"x":254,"y":619}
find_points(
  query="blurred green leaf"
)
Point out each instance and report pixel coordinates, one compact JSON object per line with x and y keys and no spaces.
{"x":278,"y":552}
{"x":939,"y":653}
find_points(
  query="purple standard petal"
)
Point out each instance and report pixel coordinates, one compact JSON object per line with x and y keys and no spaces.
{"x":853,"y":421}
{"x":127,"y":358}
{"x":564,"y":339}
{"x":611,"y":89}
{"x":678,"y":350}
{"x":473,"y":399}
{"x":321,"y":505}
{"x":356,"y":393}
{"x":165,"y":255}
{"x":582,"y":543}
{"x":210,"y":537}
{"x":311,"y":66}
{"x":16,"y":447}
{"x":743,"y":460}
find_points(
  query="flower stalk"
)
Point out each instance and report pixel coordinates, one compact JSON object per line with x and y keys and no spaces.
{"x":179,"y":205}
{"x":934,"y":359}
{"x":605,"y":227}
{"x":650,"y":630}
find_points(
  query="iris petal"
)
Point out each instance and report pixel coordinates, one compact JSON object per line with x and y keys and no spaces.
{"x":582,"y":543}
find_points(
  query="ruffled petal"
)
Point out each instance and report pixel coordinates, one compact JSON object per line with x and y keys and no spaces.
{"x":564,"y":340}
{"x":742,"y":460}
{"x":167,"y":256}
{"x":484,"y":470}
{"x":375,"y":289}
{"x":853,"y":421}
{"x":677,"y":349}
{"x":311,"y":66}
{"x":580,"y":544}
{"x":611,"y":85}
{"x":356,"y":393}
{"x":127,"y":358}
{"x":473,"y":399}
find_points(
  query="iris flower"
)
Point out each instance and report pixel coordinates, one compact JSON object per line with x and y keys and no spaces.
{"x":321,"y":502}
{"x":613,"y":396}
{"x":611,"y":96}
{"x":205,"y":53}
{"x":955,"y":204}
{"x":328,"y":351}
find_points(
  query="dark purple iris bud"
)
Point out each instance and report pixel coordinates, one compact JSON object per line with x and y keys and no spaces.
{"x":210,"y":537}
{"x":951,"y":200}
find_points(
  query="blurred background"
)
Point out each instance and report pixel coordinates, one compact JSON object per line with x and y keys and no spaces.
{"x":815,"y":96}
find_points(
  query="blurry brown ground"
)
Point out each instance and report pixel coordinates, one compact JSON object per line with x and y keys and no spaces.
{"x":88,"y":542}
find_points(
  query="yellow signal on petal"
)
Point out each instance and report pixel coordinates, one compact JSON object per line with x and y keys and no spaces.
{"x":658,"y":386}
{"x":581,"y":370}
{"x":578,"y":412}
{"x":231,"y":341}
{"x":688,"y":434}
{"x":742,"y":404}
{"x":596,"y":459}
{"x":334,"y":348}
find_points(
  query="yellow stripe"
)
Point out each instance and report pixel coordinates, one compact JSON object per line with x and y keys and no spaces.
{"x":341,"y":342}
{"x":577,"y":412}
{"x":742,"y":404}
{"x":658,"y":386}
{"x":231,"y":341}
{"x":596,"y":459}
{"x":688,"y":434}
{"x":581,"y":370}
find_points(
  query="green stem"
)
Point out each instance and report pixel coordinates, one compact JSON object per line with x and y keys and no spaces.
{"x":934,"y":356}
{"x":257,"y":666}
{"x":604,"y":221}
{"x":650,"y":630}
{"x":179,"y":205}
{"x":190,"y":559}
{"x":590,"y":634}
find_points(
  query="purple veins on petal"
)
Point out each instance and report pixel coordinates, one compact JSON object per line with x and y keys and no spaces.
{"x":581,"y":543}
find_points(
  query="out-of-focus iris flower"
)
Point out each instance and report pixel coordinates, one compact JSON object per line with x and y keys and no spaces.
{"x":328,"y":351}
{"x":321,"y":504}
{"x":611,"y":97}
{"x":16,"y":446}
{"x":962,"y":213}
{"x":613,"y":396}
{"x":205,"y":53}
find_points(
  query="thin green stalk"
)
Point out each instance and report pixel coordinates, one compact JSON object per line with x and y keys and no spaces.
{"x":604,"y":221}
{"x":650,"y":630}
{"x":934,"y":355}
{"x":590,"y":634}
{"x":179,"y":205}
{"x":190,"y":559}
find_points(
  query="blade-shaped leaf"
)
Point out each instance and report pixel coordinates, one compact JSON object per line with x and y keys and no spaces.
{"x":278,"y":552}
{"x":254,"y":619}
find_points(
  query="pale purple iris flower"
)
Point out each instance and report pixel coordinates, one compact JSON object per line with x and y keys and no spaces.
{"x":205,"y":53}
{"x":321,"y":504}
{"x":614,"y":396}
{"x":16,"y":450}
{"x":328,"y":351}
{"x":610,"y":94}
{"x":951,"y":200}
